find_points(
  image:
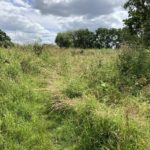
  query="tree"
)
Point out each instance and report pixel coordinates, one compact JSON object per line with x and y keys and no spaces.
{"x":64,"y":39}
{"x":83,"y":38}
{"x":107,"y":38}
{"x":146,"y":36}
{"x":127,"y":38}
{"x":101,"y":36}
{"x":5,"y":40}
{"x":113,"y":39}
{"x":138,"y":11}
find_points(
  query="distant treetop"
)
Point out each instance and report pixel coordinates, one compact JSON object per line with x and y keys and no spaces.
{"x":5,"y":40}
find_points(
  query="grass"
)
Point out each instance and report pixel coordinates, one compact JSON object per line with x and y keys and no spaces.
{"x":60,"y":99}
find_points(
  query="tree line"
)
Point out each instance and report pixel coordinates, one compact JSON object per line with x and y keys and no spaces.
{"x":101,"y":38}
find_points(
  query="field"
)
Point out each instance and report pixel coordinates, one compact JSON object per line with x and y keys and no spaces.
{"x":68,"y":99}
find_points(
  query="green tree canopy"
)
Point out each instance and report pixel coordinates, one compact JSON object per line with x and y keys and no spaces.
{"x":83,"y":38}
{"x":5,"y":40}
{"x":107,"y":38}
{"x":138,"y":11}
{"x":146,"y":37}
{"x":139,"y":18}
{"x":64,"y":39}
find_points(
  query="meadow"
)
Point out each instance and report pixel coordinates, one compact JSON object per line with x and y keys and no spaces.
{"x":72,"y":99}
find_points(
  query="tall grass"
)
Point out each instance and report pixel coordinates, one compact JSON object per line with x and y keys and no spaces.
{"x":91,"y":125}
{"x":58,"y":99}
{"x":22,"y":125}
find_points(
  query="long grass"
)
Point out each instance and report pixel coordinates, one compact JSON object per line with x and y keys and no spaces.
{"x":62,"y":99}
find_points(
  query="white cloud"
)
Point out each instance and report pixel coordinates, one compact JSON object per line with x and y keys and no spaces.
{"x":17,"y":24}
{"x":26,"y":22}
{"x":86,"y":8}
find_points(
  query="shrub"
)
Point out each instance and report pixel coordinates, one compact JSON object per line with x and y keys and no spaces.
{"x":134,"y":68}
{"x":38,"y":49}
{"x":101,"y":82}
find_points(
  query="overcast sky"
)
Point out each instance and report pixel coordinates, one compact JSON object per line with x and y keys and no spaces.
{"x":26,"y":21}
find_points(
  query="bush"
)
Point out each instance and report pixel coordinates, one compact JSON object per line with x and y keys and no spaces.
{"x":101,"y":82}
{"x":134,"y":67}
{"x":38,"y":49}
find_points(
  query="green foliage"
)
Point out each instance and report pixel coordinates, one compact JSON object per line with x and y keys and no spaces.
{"x":146,"y":36}
{"x":28,"y":66}
{"x":83,"y":38}
{"x":134,"y":67}
{"x":129,"y":39}
{"x":5,"y":40}
{"x":100,"y":131}
{"x":58,"y":110}
{"x":101,"y":82}
{"x":87,"y":128}
{"x":61,"y":101}
{"x":138,"y":19}
{"x":138,"y":12}
{"x":37,"y":48}
{"x":21,"y":124}
{"x":64,"y":39}
{"x":107,"y":38}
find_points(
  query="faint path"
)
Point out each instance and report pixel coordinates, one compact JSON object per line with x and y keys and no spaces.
{"x":52,"y":82}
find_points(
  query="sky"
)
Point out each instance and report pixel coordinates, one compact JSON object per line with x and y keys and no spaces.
{"x":27,"y":21}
